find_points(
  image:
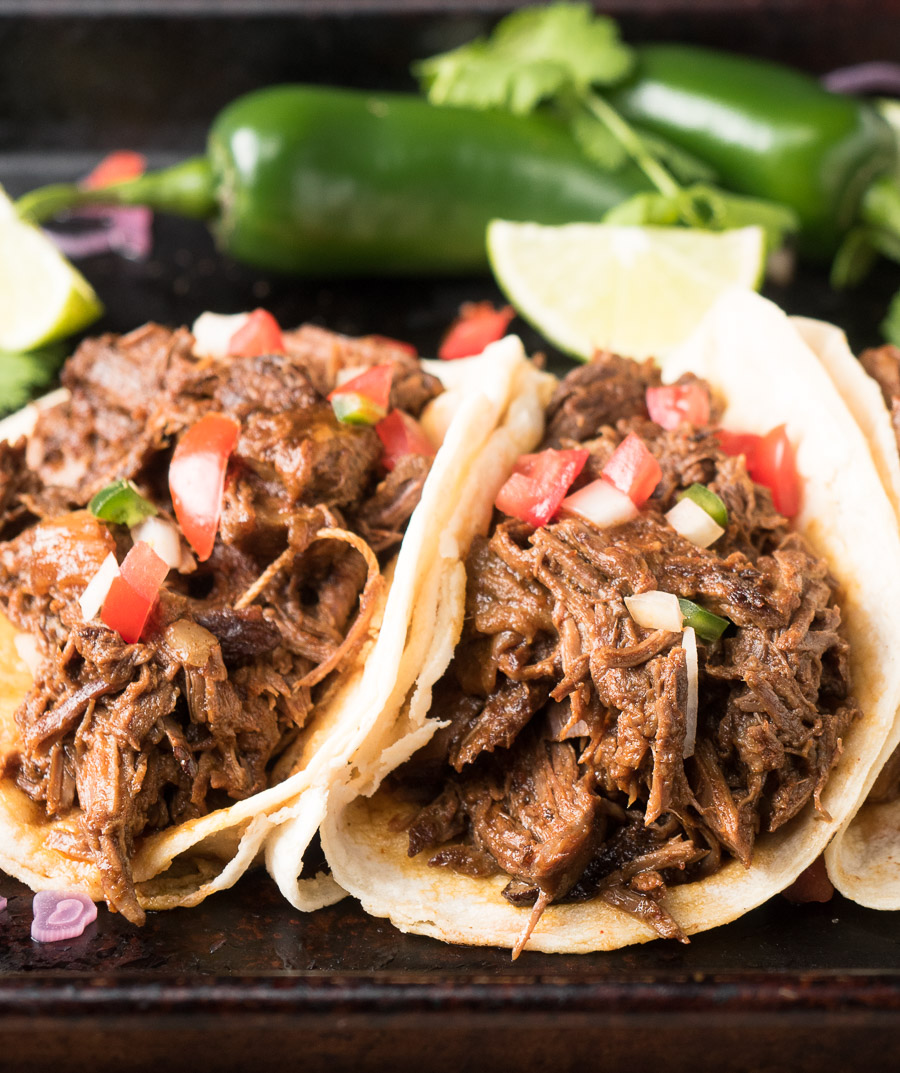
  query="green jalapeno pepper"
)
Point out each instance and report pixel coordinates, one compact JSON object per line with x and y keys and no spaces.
{"x":767,"y":130}
{"x":319,"y":181}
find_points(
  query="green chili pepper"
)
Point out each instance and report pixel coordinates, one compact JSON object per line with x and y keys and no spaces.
{"x":767,"y":130}
{"x":321,"y":181}
{"x":121,"y":503}
{"x":708,"y":501}
{"x":355,"y":409}
{"x":707,"y":625}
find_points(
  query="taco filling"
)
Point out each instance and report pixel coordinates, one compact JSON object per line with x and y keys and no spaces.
{"x":635,"y":697}
{"x":883,"y":365}
{"x":141,"y":727}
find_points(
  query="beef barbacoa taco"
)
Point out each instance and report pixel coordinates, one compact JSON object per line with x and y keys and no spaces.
{"x":667,"y":695}
{"x":864,"y":857}
{"x":195,"y":564}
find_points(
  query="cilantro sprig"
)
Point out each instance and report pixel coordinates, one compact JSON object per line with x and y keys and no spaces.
{"x":23,"y":375}
{"x":560,"y":57}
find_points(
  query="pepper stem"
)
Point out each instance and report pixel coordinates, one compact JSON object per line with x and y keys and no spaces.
{"x":185,"y":189}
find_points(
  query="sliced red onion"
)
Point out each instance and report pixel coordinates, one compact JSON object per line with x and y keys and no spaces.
{"x":693,"y":523}
{"x":213,"y":332}
{"x":876,"y":76}
{"x":2,"y":904}
{"x":91,"y":600}
{"x":689,"y":644}
{"x":656,"y":610}
{"x":123,"y":229}
{"x":60,"y":915}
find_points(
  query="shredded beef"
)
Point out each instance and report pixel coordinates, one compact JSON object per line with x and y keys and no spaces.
{"x":563,"y":759}
{"x":138,"y":737}
{"x":883,"y":365}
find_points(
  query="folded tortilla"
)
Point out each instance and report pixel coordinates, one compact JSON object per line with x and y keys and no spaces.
{"x":183,"y":864}
{"x":753,"y":357}
{"x":863,"y":859}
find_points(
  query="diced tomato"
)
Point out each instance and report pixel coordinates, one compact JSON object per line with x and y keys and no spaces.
{"x":770,"y":462}
{"x":197,"y":478}
{"x":738,"y":443}
{"x":116,"y":168}
{"x":259,"y":334}
{"x":539,"y":483}
{"x":402,"y":435}
{"x":675,"y":404}
{"x":373,"y":384}
{"x":133,"y":592}
{"x":774,"y":465}
{"x":633,"y":470}
{"x":398,"y":344}
{"x":144,"y":570}
{"x":477,"y":325}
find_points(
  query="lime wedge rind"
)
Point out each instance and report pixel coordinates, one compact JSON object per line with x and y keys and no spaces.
{"x":42,"y":296}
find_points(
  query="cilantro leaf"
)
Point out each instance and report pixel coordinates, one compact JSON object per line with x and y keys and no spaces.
{"x":854,"y":258}
{"x":890,"y":326}
{"x":534,"y":53}
{"x":708,"y":208}
{"x":23,"y":375}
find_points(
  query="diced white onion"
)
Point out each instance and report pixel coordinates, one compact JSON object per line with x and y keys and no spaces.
{"x":92,"y":598}
{"x":163,"y":537}
{"x":689,"y":644}
{"x":693,"y":523}
{"x":29,"y":651}
{"x":601,"y":503}
{"x":213,"y":331}
{"x":656,"y":610}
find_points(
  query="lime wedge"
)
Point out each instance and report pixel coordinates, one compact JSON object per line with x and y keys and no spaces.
{"x":638,"y":291}
{"x":42,"y":297}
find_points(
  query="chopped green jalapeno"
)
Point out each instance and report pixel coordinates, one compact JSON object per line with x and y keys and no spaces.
{"x":709,"y":501}
{"x":355,"y":409}
{"x":121,"y":503}
{"x":707,"y":625}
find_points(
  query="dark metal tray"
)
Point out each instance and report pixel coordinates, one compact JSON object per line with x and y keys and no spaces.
{"x":243,"y":981}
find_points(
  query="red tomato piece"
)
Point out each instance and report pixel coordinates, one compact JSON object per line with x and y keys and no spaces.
{"x":373,"y":384}
{"x":402,"y":435}
{"x":633,"y":469}
{"x":539,"y":483}
{"x":144,"y":570}
{"x":116,"y":168}
{"x":133,"y":592}
{"x":477,"y":325}
{"x":197,"y":479}
{"x":738,"y":443}
{"x":774,"y":465}
{"x":259,"y":334}
{"x":125,"y":610}
{"x":675,"y":404}
{"x":397,"y":344}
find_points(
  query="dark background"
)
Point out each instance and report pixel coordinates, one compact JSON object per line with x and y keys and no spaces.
{"x":243,"y":981}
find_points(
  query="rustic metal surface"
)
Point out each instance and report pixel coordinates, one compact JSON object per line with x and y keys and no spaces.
{"x":243,"y":981}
